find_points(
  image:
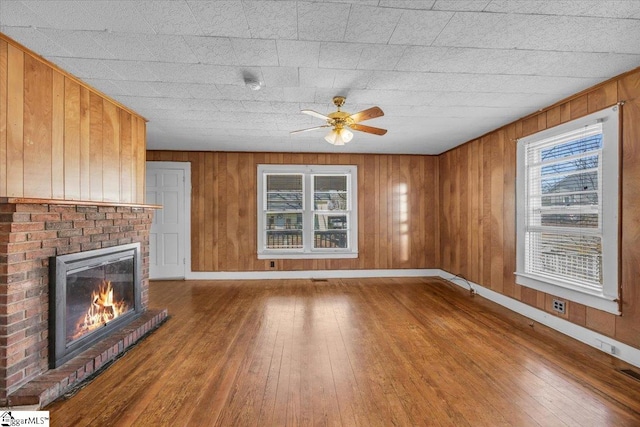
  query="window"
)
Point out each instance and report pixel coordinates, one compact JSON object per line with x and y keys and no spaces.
{"x":307,"y":211}
{"x":567,"y":219}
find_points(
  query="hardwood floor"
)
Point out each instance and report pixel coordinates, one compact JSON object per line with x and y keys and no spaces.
{"x":377,"y":352}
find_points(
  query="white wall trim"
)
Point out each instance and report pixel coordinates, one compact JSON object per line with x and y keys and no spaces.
{"x":309,"y":274}
{"x":594,"y":339}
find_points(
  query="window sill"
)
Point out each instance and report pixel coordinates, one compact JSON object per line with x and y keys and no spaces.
{"x":582,"y":296}
{"x":313,"y":255}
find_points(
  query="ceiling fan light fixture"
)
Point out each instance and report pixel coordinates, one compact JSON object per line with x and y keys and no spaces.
{"x":339,"y":136}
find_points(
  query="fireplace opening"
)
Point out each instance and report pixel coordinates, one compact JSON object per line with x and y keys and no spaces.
{"x":93,"y":294}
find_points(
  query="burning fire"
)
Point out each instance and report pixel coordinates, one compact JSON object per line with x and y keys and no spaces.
{"x":103,"y":309}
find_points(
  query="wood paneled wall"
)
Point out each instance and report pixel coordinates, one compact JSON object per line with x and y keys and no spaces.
{"x":60,"y":139}
{"x":397,"y":210}
{"x":477,"y":208}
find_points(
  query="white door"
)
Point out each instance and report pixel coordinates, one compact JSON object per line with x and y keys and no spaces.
{"x":166,"y":186}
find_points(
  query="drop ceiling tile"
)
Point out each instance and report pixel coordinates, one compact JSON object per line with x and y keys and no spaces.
{"x":78,"y":43}
{"x":235,"y":91}
{"x":168,"y":48}
{"x":142,"y":71}
{"x":36,"y":40}
{"x":253,"y":52}
{"x":351,"y":79}
{"x":117,"y":16}
{"x":18,"y":14}
{"x":65,"y":15}
{"x":124,"y":46}
{"x":271,"y":19}
{"x":268,"y":93}
{"x":86,"y":68}
{"x":220,"y":18}
{"x":212,"y":50}
{"x":380,"y":57}
{"x":340,"y":55}
{"x":602,"y":8}
{"x":286,"y":107}
{"x":419,"y":27}
{"x":322,"y":21}
{"x":371,"y":24}
{"x":421,"y":58}
{"x":280,"y":76}
{"x":126,"y":87}
{"x":169,"y":17}
{"x":294,"y":53}
{"x":407,"y":4}
{"x":540,"y":32}
{"x":299,"y":94}
{"x":258,"y":107}
{"x":461,"y":5}
{"x":316,"y":77}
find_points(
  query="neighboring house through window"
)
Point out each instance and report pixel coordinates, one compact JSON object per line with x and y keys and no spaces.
{"x":307,"y":211}
{"x":567,"y":217}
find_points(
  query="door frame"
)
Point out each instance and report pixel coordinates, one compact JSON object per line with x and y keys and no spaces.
{"x":186,"y":230}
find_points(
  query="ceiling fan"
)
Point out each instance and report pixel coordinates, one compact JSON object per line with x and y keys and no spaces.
{"x":341,"y":122}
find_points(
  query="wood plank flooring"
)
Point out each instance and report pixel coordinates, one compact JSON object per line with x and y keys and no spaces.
{"x":381,"y":352}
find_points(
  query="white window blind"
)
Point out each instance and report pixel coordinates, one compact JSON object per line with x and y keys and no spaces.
{"x":567,"y":214}
{"x":564,"y":211}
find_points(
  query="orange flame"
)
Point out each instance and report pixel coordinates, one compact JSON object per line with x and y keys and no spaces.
{"x":102,"y":309}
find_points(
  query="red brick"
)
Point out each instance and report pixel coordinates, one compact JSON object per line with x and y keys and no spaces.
{"x":123,"y":209}
{"x":63,"y":250}
{"x":91,"y":231}
{"x":31,"y":208}
{"x":58,"y":225}
{"x":62,"y":208}
{"x":42,"y":235}
{"x":29,"y":265}
{"x":42,"y":253}
{"x":87,"y":208}
{"x":91,"y":246}
{"x":27,"y":226}
{"x":79,"y":240}
{"x":70,"y":233}
{"x":84,"y":224}
{"x":19,"y":247}
{"x":106,"y":209}
{"x":44,"y":217}
{"x":99,"y":237}
{"x":73,"y":216}
{"x":96,"y":215}
{"x":113,"y":215}
{"x":104,"y":223}
{"x":55,"y":243}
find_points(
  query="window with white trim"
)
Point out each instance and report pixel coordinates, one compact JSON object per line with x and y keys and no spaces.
{"x":307,"y":211}
{"x":567,"y":216}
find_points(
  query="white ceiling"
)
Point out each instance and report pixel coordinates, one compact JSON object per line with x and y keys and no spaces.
{"x":443,"y":71}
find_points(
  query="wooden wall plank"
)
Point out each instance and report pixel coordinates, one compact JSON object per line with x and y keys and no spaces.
{"x":602,"y":97}
{"x":95,"y":146}
{"x":15,"y":122}
{"x":141,"y":150}
{"x":85,"y":144}
{"x":628,"y":325}
{"x":126,"y":155}
{"x":496,"y":214}
{"x":57,"y":137}
{"x":3,"y":115}
{"x":38,"y":117}
{"x":110,"y":152}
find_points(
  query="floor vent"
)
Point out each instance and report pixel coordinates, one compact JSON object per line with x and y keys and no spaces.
{"x":633,"y":374}
{"x":319,"y":280}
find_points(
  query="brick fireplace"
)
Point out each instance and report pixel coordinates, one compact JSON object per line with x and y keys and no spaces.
{"x":31,"y":233}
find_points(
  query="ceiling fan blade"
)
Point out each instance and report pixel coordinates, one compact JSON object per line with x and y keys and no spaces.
{"x":368,"y":129}
{"x":308,"y":129}
{"x":369,"y":113}
{"x":315,"y":114}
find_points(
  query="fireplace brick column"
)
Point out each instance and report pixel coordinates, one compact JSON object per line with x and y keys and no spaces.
{"x":29,"y":235}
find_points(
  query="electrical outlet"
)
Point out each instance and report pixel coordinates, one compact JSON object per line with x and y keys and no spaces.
{"x":559,"y":306}
{"x":272,"y":264}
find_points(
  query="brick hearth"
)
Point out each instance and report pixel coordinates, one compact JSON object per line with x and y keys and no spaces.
{"x":30,"y":233}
